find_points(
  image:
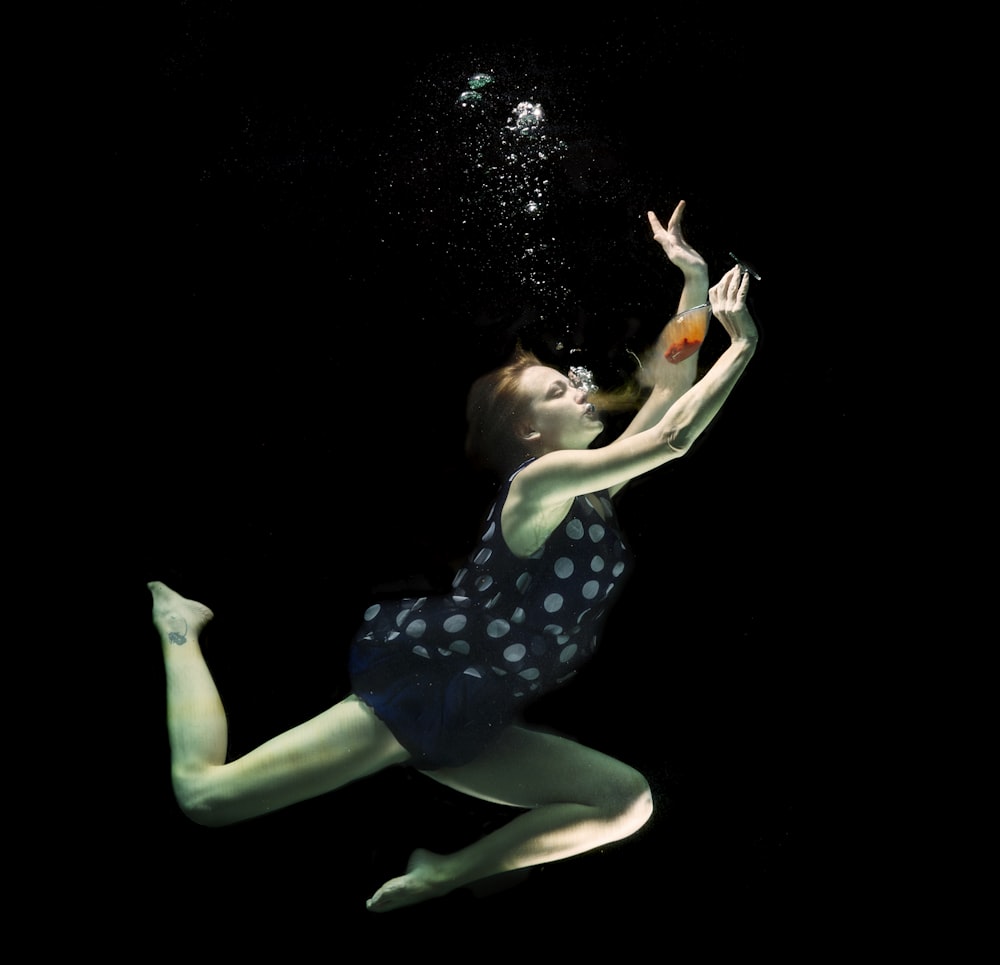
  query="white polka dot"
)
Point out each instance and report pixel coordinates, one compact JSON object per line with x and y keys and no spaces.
{"x":392,"y":635}
{"x":611,"y":586}
{"x":618,"y":569}
{"x":590,"y":589}
{"x":421,"y":652}
{"x":472,"y":672}
{"x":567,"y":653}
{"x":597,"y":564}
{"x":498,"y":628}
{"x":553,"y":629}
{"x":579,"y":619}
{"x":401,"y":617}
{"x":459,"y":577}
{"x":484,"y":582}
{"x":596,"y":532}
{"x":523,"y":582}
{"x":417,"y":628}
{"x":459,"y":646}
{"x":373,"y":611}
{"x":530,"y":674}
{"x":517,"y":616}
{"x":483,"y":556}
{"x":563,"y":567}
{"x":514,"y":653}
{"x":574,"y":529}
{"x":493,"y":601}
{"x":552,"y":603}
{"x":489,"y":532}
{"x":455,"y":623}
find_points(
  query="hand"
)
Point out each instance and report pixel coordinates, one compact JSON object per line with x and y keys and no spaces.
{"x":671,"y":240}
{"x":729,"y":305}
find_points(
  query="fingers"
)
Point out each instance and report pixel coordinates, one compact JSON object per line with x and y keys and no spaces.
{"x":677,"y":216}
{"x":735,"y":280}
{"x":674,"y":222}
{"x":731,"y":289}
{"x":722,"y":286}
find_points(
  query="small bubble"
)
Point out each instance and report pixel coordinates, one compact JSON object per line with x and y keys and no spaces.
{"x":477,"y":81}
{"x":469,"y":98}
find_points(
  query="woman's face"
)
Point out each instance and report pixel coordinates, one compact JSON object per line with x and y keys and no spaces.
{"x":557,"y":411}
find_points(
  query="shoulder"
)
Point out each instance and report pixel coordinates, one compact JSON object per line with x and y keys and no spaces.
{"x":527,"y":519}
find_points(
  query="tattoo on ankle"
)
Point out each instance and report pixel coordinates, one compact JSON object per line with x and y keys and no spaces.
{"x":178,"y":638}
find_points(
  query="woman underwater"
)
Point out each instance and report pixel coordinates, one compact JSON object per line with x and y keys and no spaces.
{"x":439,"y":683}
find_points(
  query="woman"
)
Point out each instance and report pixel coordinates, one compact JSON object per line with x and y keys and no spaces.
{"x":438,"y":683}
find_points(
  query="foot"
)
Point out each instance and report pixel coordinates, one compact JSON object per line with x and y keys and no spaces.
{"x":178,"y":619}
{"x":424,"y":879}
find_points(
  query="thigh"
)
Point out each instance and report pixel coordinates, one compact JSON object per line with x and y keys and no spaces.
{"x":334,"y":748}
{"x":528,"y":768}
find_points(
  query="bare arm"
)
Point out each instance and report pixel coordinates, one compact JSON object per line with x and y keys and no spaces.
{"x":545,"y":487}
{"x":671,"y":239}
{"x":668,"y":381}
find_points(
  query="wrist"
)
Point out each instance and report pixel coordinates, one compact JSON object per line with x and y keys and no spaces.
{"x":695,"y":272}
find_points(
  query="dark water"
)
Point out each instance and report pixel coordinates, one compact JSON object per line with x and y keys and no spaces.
{"x":323,"y":239}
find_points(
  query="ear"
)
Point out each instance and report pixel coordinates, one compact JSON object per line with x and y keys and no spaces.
{"x":525,"y":432}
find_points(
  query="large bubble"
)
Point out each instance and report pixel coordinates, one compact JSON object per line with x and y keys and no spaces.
{"x":526,"y":118}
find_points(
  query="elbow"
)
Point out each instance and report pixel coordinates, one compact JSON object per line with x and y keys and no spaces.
{"x":198,"y":799}
{"x":677,"y":439}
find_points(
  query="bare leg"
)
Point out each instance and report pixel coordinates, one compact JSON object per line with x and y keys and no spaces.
{"x":579,"y":798}
{"x":336,"y":747}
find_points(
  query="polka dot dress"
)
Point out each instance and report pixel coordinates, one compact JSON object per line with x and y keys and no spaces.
{"x":447,"y":674}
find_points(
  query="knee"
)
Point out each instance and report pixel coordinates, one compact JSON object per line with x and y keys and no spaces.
{"x":630,"y":801}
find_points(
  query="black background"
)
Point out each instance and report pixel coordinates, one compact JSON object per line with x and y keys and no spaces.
{"x":295,"y":311}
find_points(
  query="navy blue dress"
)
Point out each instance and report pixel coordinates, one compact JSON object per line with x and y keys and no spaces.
{"x":447,"y":674}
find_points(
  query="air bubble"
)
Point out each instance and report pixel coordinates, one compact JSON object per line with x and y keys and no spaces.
{"x":526,"y":117}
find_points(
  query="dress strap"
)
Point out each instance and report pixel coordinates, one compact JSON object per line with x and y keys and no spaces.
{"x":527,"y":462}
